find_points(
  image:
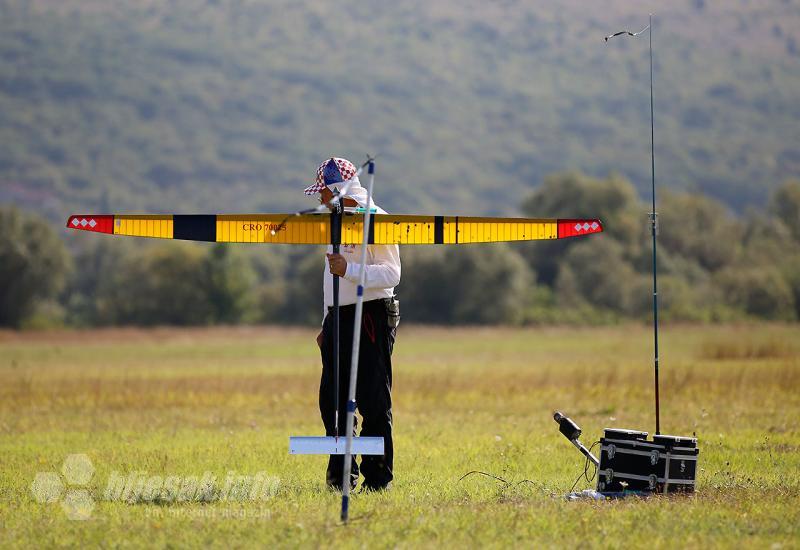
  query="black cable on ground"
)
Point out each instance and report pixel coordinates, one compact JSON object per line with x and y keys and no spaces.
{"x":484,"y":474}
{"x":506,"y":483}
{"x":585,"y":473}
{"x":587,"y":464}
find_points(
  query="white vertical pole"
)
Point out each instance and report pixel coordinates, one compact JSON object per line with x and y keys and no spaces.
{"x":351,"y":399}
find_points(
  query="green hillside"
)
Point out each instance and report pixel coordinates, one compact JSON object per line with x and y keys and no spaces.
{"x":228,"y":105}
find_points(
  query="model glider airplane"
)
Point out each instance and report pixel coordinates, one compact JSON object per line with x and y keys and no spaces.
{"x":337,"y":227}
{"x":315,"y":228}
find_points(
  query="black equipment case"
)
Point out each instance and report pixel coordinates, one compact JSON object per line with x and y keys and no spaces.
{"x":628,"y":461}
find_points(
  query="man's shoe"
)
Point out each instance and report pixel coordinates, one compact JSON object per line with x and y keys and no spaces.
{"x":367,"y":488}
{"x":337,"y":485}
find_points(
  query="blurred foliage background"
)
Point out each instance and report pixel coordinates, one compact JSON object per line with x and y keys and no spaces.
{"x":503,"y":107}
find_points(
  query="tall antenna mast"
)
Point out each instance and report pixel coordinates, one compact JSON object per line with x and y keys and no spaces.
{"x":654,"y":230}
{"x":653,"y":214}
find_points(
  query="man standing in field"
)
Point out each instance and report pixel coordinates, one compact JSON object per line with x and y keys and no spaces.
{"x":378,"y":327}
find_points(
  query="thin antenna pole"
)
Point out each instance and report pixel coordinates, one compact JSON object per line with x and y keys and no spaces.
{"x":653,"y":227}
{"x":653,"y":214}
{"x":351,"y":398}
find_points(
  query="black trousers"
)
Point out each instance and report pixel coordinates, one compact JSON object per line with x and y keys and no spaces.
{"x":373,"y":389}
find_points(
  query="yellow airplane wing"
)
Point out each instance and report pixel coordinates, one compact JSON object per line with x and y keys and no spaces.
{"x":315,"y":228}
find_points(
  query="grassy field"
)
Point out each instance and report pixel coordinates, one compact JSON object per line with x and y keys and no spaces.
{"x":183,"y":402}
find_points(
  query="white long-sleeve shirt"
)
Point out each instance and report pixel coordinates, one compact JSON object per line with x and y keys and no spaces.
{"x":382,"y":273}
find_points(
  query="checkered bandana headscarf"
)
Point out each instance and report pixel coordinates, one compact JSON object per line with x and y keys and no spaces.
{"x":332,"y":171}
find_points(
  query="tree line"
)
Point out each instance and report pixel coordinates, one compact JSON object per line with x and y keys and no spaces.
{"x":713,"y":267}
